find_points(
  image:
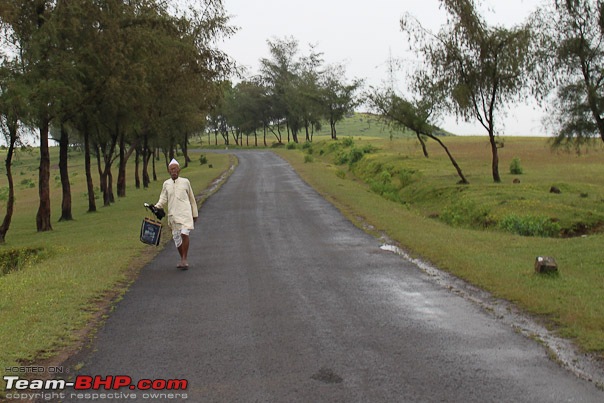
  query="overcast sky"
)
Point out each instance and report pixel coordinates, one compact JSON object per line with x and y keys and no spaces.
{"x":362,"y":35}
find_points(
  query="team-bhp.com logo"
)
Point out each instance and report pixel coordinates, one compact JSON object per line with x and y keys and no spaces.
{"x":95,"y":387}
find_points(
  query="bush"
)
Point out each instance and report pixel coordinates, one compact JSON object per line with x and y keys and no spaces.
{"x":14,"y":259}
{"x":466,"y":213}
{"x":348,"y":142}
{"x":203,"y":159}
{"x":407,"y":177}
{"x":308,"y":158}
{"x":530,"y":225}
{"x":355,"y":155}
{"x":28,"y":183}
{"x":515,"y":167}
{"x":290,"y":146}
{"x":341,"y":158}
{"x":383,"y":186}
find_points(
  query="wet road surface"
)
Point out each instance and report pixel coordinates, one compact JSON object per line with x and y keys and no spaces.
{"x":287,"y":301}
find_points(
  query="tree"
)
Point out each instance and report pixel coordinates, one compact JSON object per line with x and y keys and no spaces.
{"x":571,"y":55}
{"x":413,"y":115}
{"x":478,"y":69}
{"x":27,"y":21}
{"x":278,"y":73}
{"x":246,"y":108}
{"x":338,"y":97}
{"x":12,"y":109}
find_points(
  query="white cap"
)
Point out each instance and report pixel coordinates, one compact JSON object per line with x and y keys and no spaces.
{"x":174,"y":162}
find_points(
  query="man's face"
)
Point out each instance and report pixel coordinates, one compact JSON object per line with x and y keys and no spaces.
{"x":174,"y":170}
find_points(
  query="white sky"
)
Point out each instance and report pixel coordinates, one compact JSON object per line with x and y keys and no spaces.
{"x":362,"y":35}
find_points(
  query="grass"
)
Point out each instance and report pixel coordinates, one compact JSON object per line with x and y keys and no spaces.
{"x":45,"y":304}
{"x":485,"y":255}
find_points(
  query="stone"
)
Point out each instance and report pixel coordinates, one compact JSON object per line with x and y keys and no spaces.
{"x":546,"y":264}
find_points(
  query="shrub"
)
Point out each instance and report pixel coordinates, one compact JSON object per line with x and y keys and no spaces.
{"x":368,"y":149}
{"x":515,"y":167}
{"x":348,"y":142}
{"x":203,"y":159}
{"x":466,"y":213}
{"x":14,"y":259}
{"x":308,"y":158}
{"x":530,"y":225}
{"x":355,"y":155}
{"x":341,"y":158}
{"x":407,"y":177}
{"x":382,"y":185}
{"x":290,"y":146}
{"x":28,"y":183}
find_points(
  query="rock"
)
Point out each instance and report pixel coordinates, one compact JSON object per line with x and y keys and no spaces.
{"x":546,"y":264}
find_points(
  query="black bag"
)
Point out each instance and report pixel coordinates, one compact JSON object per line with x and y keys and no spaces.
{"x":150,"y":231}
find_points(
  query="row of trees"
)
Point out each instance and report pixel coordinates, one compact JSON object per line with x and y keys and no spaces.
{"x":133,"y":77}
{"x":475,"y":71}
{"x":119,"y":77}
{"x":293,"y":93}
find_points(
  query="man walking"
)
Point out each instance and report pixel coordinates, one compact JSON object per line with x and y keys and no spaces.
{"x":182,"y":210}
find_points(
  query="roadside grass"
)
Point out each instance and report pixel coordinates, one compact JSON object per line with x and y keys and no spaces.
{"x":82,"y":265}
{"x":491,"y":258}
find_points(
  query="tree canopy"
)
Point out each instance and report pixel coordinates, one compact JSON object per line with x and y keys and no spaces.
{"x":119,"y":76}
{"x":571,"y":56}
{"x":477,"y":69}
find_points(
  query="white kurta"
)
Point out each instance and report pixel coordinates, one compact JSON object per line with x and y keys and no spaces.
{"x":182,"y":207}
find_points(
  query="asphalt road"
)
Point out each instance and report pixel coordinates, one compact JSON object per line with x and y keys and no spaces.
{"x":287,"y":301}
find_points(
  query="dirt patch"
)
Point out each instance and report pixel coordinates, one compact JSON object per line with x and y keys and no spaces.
{"x":582,"y":229}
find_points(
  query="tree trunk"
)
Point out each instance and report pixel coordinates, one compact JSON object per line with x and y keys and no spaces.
{"x":43,"y":216}
{"x":153,"y":163}
{"x":64,"y":173}
{"x":102,"y":177}
{"x":457,"y":168}
{"x":147,"y":154}
{"x":109,"y":175}
{"x":423,"y":143}
{"x":332,"y":125}
{"x":10,"y":203}
{"x":495,"y":161}
{"x":122,"y":166}
{"x":106,"y":176}
{"x":185,"y":149}
{"x":87,"y":167}
{"x":137,"y":179}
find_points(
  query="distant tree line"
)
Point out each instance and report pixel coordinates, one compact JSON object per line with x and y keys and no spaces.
{"x":291,"y":96}
{"x":121,"y":78}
